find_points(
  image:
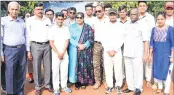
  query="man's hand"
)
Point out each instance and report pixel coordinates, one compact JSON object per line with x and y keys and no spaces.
{"x":2,"y":59}
{"x":29,"y":55}
{"x":60,"y":56}
{"x":171,"y":59}
{"x":145,"y":58}
{"x":150,"y":59}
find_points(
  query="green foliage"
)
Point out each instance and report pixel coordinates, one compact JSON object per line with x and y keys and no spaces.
{"x":153,"y":6}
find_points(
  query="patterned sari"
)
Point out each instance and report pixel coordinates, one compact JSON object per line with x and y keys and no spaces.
{"x":84,"y":69}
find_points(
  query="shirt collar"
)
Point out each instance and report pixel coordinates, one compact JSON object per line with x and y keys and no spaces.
{"x":43,"y":18}
{"x":11,"y":19}
{"x":141,"y":17}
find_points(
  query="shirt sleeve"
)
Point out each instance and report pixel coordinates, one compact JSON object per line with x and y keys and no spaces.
{"x":151,"y":38}
{"x":172,"y":38}
{"x":50,"y":34}
{"x":144,"y":31}
{"x":28,"y":31}
{"x":2,"y":37}
{"x":67,"y":36}
{"x":119,"y":40}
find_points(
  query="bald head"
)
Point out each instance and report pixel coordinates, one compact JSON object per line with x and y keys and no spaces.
{"x":13,"y":9}
{"x":134,"y":14}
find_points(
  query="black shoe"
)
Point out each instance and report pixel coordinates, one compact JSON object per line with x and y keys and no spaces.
{"x":31,"y":80}
{"x":38,"y":92}
{"x":108,"y":90}
{"x":127,"y":91}
{"x":137,"y":92}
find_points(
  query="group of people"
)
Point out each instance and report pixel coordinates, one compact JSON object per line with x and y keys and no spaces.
{"x":102,"y":45}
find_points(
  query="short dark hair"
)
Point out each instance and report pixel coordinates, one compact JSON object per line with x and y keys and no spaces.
{"x":162,"y":13}
{"x":108,"y":5}
{"x":142,"y":2}
{"x":64,"y":10}
{"x":88,"y":5}
{"x":47,"y":10}
{"x":122,"y":8}
{"x":59,"y":14}
{"x":80,"y":13}
{"x":38,"y":5}
{"x":72,"y":8}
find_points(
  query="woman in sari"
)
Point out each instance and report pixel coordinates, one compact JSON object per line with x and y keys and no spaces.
{"x":80,"y":53}
{"x":161,"y":51}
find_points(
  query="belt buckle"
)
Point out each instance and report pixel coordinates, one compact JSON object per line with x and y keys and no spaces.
{"x":19,"y":46}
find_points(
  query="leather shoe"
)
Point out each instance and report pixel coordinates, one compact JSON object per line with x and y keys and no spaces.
{"x":38,"y":92}
{"x":137,"y":92}
{"x":127,"y":91}
{"x":49,"y":89}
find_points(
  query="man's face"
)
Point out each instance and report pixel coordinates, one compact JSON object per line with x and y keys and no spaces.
{"x":72,"y":14}
{"x":142,"y":7}
{"x":99,"y":11}
{"x":38,"y":11}
{"x":50,"y":15}
{"x":65,"y":14}
{"x":107,"y":11}
{"x":59,"y":20}
{"x":14,"y":10}
{"x":123,"y":13}
{"x":112,"y":17}
{"x":89,"y":11}
{"x":169,"y":11}
{"x":134,"y":15}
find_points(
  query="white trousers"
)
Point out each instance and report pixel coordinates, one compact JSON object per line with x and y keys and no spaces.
{"x":166,"y":83}
{"x":113,"y":65}
{"x":59,"y":71}
{"x":148,"y":71}
{"x":134,"y":72}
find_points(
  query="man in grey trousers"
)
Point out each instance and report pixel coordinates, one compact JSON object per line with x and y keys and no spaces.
{"x":38,"y":28}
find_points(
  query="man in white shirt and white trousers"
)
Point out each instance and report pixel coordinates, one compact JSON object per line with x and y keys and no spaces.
{"x":112,"y":42}
{"x":135,"y":52}
{"x":59,"y":36}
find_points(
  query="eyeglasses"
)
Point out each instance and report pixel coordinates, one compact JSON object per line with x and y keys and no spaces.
{"x":72,"y":12}
{"x":98,"y":11}
{"x":169,"y":8}
{"x":79,"y":17}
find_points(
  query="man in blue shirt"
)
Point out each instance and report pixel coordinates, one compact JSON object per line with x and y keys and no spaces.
{"x":13,"y":51}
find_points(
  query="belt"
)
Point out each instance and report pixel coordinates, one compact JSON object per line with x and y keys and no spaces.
{"x":97,"y":42}
{"x":40,"y":43}
{"x":17,"y":46}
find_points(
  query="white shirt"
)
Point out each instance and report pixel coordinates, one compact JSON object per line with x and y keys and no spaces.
{"x":135,"y":34}
{"x":89,"y":21}
{"x":113,"y":38}
{"x":99,"y":26}
{"x":170,"y":22}
{"x":149,"y":19}
{"x":38,"y":29}
{"x":59,"y":35}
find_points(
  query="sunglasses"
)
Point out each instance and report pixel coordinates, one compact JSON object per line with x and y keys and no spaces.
{"x":98,"y":11}
{"x":79,"y":17}
{"x":72,"y":12}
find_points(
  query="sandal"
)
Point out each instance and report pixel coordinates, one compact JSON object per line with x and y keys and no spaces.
{"x":155,"y":87}
{"x":148,"y":84}
{"x":159,"y":90}
{"x":77,"y":88}
{"x":96,"y":86}
{"x":83,"y":87}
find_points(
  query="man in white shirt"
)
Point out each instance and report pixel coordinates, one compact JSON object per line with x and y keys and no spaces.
{"x":112,"y":41}
{"x":135,"y":52}
{"x":89,"y":19}
{"x":71,"y":16}
{"x":99,"y":24}
{"x":59,"y":38}
{"x":150,"y":21}
{"x":169,"y":10}
{"x":49,"y":13}
{"x":38,"y":28}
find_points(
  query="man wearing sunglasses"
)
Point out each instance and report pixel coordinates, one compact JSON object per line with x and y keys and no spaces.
{"x":71,"y":15}
{"x":169,"y":6}
{"x":99,"y":24}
